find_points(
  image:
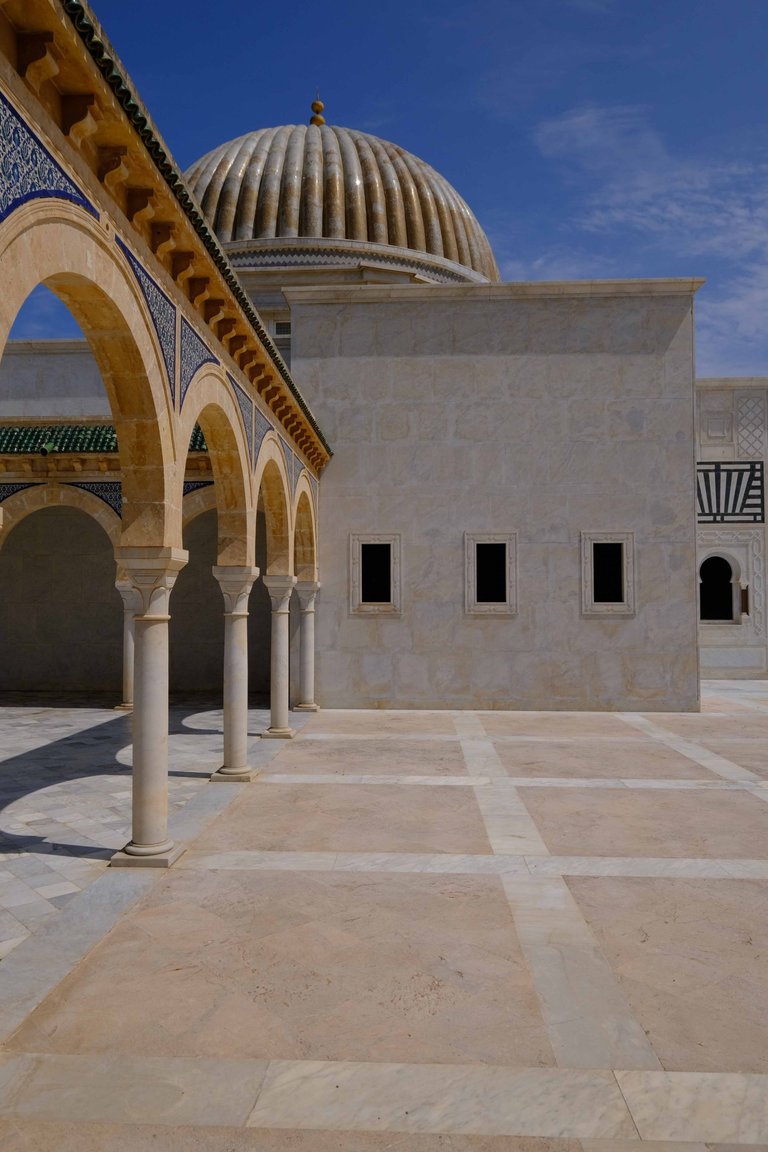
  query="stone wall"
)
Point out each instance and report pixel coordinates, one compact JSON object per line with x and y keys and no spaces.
{"x":545,"y":410}
{"x":51,"y":380}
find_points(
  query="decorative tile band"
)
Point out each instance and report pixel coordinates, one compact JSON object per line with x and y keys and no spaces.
{"x":27,"y":169}
{"x":7,"y":490}
{"x":262,"y":426}
{"x":193,"y":354}
{"x":195,"y":486}
{"x":290,"y":464}
{"x":163,"y":313}
{"x":245,"y":405}
{"x":110,"y":491}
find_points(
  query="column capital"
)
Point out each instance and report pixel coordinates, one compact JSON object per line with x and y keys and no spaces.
{"x":129,"y":594}
{"x":152,"y":573}
{"x":306,"y":590}
{"x":235,"y":581}
{"x":279,"y":588}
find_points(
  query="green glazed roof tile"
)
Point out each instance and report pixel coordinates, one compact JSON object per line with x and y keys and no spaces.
{"x":25,"y":438}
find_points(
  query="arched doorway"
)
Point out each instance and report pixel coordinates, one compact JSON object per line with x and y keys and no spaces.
{"x":716,"y":590}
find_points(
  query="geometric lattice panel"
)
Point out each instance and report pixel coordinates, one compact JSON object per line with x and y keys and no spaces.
{"x":750,"y":426}
{"x":730,"y":493}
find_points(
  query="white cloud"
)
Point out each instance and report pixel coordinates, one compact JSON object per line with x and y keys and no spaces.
{"x":709,"y":214}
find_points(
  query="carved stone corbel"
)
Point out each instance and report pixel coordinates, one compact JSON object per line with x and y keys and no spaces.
{"x":79,"y":115}
{"x":139,"y":204}
{"x":112,"y":170}
{"x":35,"y":59}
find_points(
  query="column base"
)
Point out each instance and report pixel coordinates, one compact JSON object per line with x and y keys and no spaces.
{"x":123,"y":708}
{"x":124,"y":859}
{"x":278,"y":734}
{"x":306,"y":708}
{"x":244,"y":777}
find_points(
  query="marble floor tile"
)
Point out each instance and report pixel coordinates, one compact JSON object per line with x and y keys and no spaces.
{"x":268,"y":965}
{"x":24,"y":1135}
{"x":117,"y":1087}
{"x":550,"y":724}
{"x":389,"y":757}
{"x":508,"y":825}
{"x":705,"y":1106}
{"x":381,"y":723}
{"x":444,"y":1098}
{"x":700,"y":824}
{"x":589,"y":1021}
{"x":594,"y":759}
{"x":691,"y":957}
{"x":347,"y":817}
{"x":718,"y":765}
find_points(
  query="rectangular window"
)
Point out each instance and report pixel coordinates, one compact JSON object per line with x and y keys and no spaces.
{"x":490,"y":569}
{"x":374,"y":575}
{"x":282,"y":327}
{"x":491,"y":573}
{"x":607,"y":573}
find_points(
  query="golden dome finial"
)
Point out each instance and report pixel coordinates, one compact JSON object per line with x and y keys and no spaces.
{"x":317,"y":108}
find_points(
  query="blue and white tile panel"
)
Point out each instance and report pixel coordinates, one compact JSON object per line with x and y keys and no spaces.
{"x":163,"y":313}
{"x":194,"y":352}
{"x":110,"y":491}
{"x":7,"y":490}
{"x":261,"y":427}
{"x":27,"y":169}
{"x":245,"y":404}
{"x":195,"y":485}
{"x":292,"y":465}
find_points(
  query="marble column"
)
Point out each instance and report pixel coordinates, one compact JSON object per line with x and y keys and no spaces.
{"x":152,"y":573}
{"x":235,"y":583}
{"x":306,"y":590}
{"x":279,"y":588}
{"x":131,"y":605}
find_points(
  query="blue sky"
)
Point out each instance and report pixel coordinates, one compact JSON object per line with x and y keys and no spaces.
{"x":592,"y":138}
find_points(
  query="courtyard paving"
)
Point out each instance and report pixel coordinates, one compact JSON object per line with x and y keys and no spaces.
{"x":414,"y":931}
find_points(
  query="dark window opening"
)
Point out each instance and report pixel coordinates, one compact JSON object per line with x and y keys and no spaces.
{"x":608,"y":573}
{"x":491,"y":573}
{"x":376,"y":573}
{"x":716,"y":589}
{"x":282,"y":328}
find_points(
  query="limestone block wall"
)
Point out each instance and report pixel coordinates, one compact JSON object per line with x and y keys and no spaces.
{"x":51,"y":379}
{"x":732,"y":427}
{"x":545,"y":410}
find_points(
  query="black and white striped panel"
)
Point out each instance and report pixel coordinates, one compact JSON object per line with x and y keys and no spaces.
{"x":730,"y":493}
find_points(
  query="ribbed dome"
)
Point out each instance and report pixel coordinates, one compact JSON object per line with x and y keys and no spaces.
{"x":336,"y":184}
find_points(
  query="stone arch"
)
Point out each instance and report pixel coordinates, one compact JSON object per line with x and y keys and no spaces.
{"x":304,"y":532}
{"x":54,"y":243}
{"x":209,"y":402}
{"x":197,"y":502}
{"x":719,"y":587}
{"x":22,"y":504}
{"x":273,"y":488}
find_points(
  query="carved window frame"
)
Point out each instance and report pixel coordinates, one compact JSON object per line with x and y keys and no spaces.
{"x":506,"y":607}
{"x":625,"y":607}
{"x":393,"y":607}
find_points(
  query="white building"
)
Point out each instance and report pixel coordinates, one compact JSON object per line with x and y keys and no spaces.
{"x":508,"y":520}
